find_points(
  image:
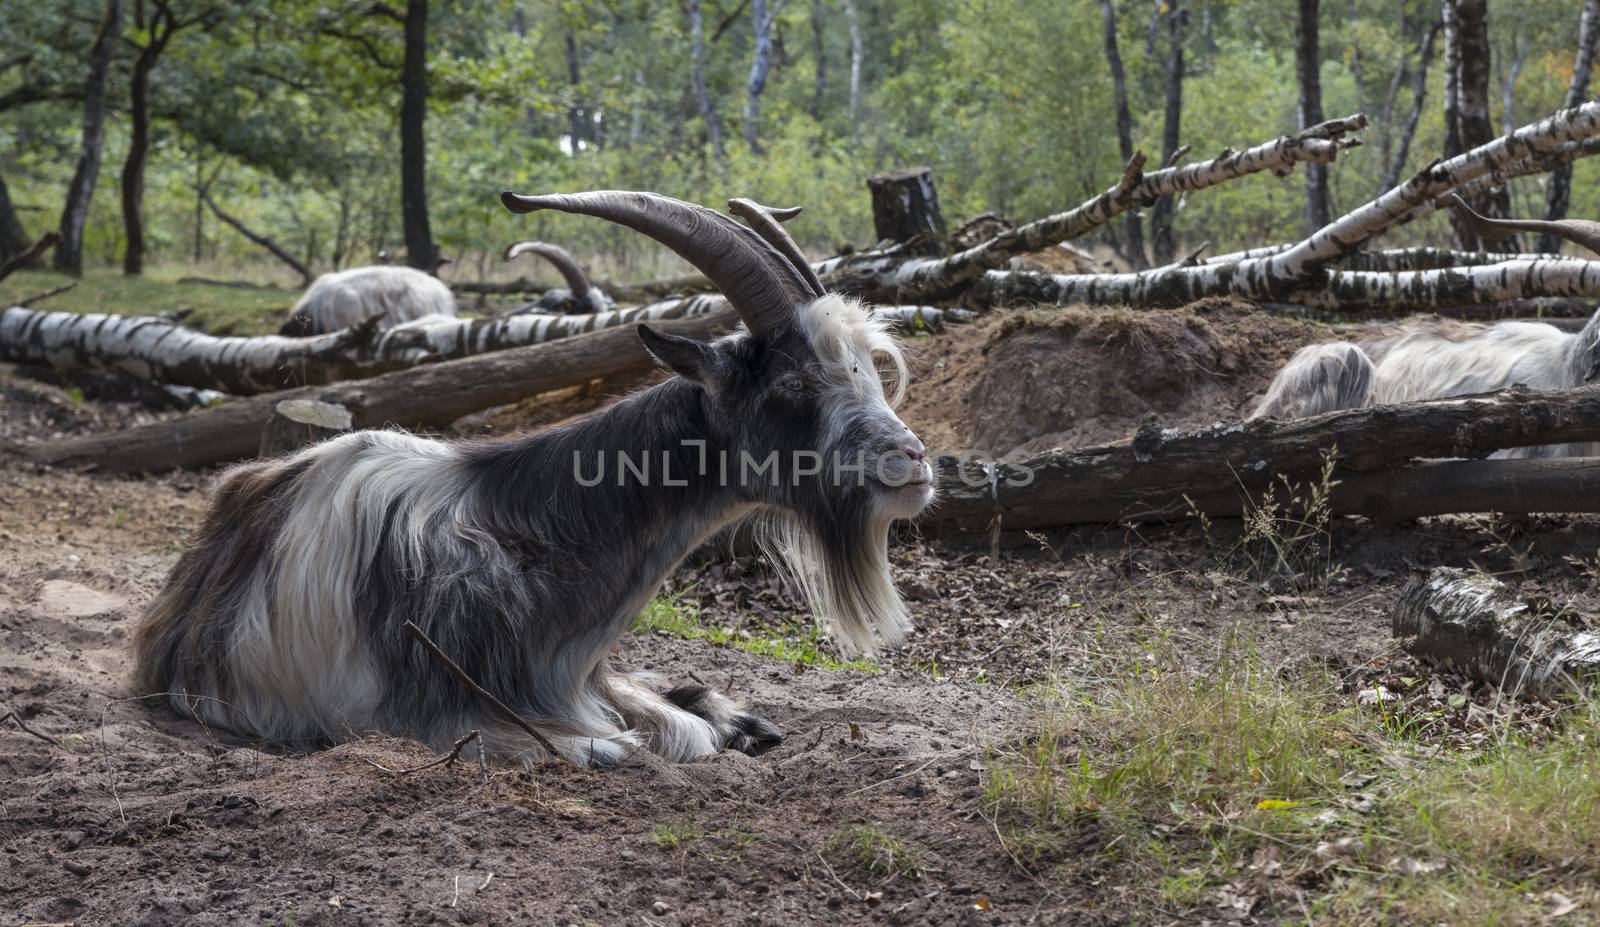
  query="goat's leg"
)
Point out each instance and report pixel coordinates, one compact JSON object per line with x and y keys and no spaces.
{"x":688,"y":721}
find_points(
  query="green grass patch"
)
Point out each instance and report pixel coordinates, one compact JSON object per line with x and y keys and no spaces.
{"x":873,"y":851}
{"x":673,"y":835}
{"x":219,"y":310}
{"x":793,"y":642}
{"x":1245,"y":776}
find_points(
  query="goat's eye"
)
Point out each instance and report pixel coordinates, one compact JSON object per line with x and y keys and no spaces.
{"x":792,"y":383}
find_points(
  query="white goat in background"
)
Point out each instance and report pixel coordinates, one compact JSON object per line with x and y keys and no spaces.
{"x":1440,"y":358}
{"x":348,"y":297}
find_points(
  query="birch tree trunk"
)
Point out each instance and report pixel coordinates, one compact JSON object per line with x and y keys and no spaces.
{"x":1132,"y":224}
{"x":697,"y":80}
{"x":156,"y":349}
{"x":1163,"y":246}
{"x":420,"y":250}
{"x":576,"y":129}
{"x":1308,"y":65}
{"x":75,"y":215}
{"x":1559,"y":192}
{"x":853,"y":19}
{"x":760,"y":64}
{"x":1508,"y":85}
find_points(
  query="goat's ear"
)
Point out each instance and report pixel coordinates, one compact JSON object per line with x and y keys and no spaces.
{"x":686,"y":356}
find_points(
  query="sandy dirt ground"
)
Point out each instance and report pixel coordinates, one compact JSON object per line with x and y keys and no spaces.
{"x":114,"y":811}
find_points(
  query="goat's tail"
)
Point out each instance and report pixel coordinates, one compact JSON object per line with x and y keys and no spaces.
{"x":1320,"y":378}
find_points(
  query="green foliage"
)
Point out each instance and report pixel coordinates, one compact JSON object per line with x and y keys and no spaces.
{"x":288,"y":108}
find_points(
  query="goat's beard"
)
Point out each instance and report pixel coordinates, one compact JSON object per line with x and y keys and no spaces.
{"x":840,"y":563}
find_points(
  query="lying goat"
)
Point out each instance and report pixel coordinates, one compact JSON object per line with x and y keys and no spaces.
{"x":339,"y":300}
{"x":1442,"y":358}
{"x":526,"y":560}
{"x":578,"y":296}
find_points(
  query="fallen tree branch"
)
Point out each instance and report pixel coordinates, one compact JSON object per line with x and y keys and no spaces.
{"x":31,"y":256}
{"x":1165,"y":475}
{"x":429,"y":396}
{"x":306,"y":276}
{"x":467,"y":682}
{"x":447,"y":760}
{"x":895,"y":279}
{"x":1474,"y":624}
{"x":40,"y":297}
{"x":158,"y":349}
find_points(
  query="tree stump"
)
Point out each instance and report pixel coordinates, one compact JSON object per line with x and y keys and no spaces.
{"x":298,"y":423}
{"x":1476,"y":625}
{"x":905,"y":209}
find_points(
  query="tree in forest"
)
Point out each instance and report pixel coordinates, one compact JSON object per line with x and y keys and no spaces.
{"x":1559,"y":190}
{"x":75,"y":214}
{"x":1392,"y":156}
{"x":1308,"y":64}
{"x":420,"y":249}
{"x":1467,"y":122}
{"x":163,"y":24}
{"x":1132,"y":225}
{"x":761,"y":15}
{"x":1163,"y":246}
{"x":697,"y":78}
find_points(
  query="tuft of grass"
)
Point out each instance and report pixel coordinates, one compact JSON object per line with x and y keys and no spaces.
{"x":672,"y":835}
{"x":791,"y":643}
{"x":869,"y":849}
{"x":1192,"y":784}
{"x":1286,"y":541}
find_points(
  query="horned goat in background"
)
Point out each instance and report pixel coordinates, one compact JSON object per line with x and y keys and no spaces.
{"x":1440,"y":358}
{"x":344,"y":298}
{"x":579,"y":295}
{"x":525,"y":560}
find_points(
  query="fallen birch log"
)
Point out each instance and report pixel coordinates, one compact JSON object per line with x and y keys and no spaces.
{"x":1474,"y":624}
{"x":1167,"y":475}
{"x":892,"y":279}
{"x":1541,"y":277}
{"x":158,"y":349}
{"x":430,"y":396}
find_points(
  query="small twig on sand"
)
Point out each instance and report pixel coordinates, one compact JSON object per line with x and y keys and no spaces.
{"x":471,"y":686}
{"x":457,"y":895}
{"x":48,"y":293}
{"x":445,"y":760}
{"x":13,"y":716}
{"x":833,"y":875}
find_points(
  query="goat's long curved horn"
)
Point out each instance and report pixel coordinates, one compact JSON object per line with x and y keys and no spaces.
{"x":1579,"y":231}
{"x":757,"y":279}
{"x":765,"y":220}
{"x":564,"y":262}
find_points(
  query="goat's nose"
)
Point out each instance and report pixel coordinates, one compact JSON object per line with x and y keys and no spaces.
{"x":912,"y":447}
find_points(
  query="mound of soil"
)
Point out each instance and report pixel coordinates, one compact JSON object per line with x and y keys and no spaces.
{"x":1024,"y":381}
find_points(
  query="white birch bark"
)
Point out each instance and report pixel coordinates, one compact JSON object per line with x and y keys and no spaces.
{"x":894,"y":279}
{"x":157,"y":349}
{"x":1523,"y":278}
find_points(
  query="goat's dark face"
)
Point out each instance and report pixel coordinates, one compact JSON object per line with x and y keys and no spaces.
{"x":804,"y":416}
{"x":811,"y":439}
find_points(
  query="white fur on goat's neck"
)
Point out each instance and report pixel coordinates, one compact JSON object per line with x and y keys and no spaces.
{"x":339,"y":300}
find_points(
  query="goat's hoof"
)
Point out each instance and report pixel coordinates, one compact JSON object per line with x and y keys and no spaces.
{"x":753,"y":736}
